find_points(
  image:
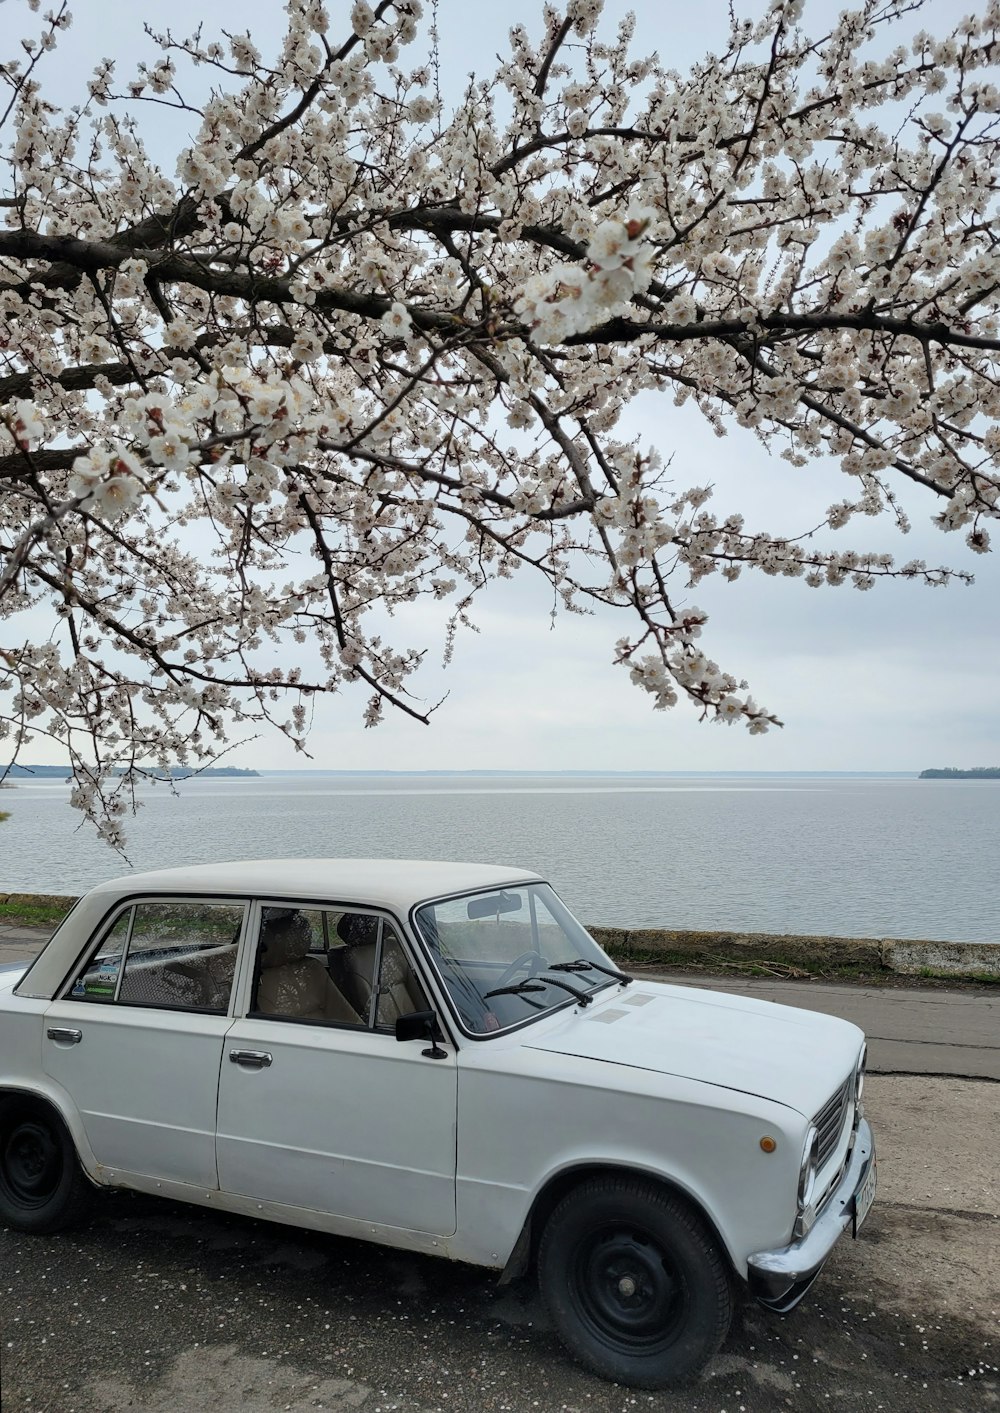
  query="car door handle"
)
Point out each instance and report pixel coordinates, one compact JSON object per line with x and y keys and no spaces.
{"x":64,"y":1034}
{"x":250,"y":1059}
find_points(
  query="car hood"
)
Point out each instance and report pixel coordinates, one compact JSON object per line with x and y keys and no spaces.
{"x":794,"y":1057}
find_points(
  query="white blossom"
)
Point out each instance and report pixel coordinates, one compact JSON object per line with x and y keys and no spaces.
{"x":170,"y":451}
{"x":397,"y":323}
{"x":179,"y":333}
{"x":87,"y":474}
{"x":26,"y":424}
{"x":113,"y":497}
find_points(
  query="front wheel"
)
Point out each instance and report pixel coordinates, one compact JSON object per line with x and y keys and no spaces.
{"x":42,"y":1187}
{"x":635,"y":1283}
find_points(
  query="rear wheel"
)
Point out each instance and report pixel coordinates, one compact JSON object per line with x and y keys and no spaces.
{"x":635,"y":1283}
{"x":42,"y":1186}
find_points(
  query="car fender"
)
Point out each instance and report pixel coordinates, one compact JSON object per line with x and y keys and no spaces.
{"x":560,"y":1183}
{"x":41,"y":1088}
{"x":685,"y":1134}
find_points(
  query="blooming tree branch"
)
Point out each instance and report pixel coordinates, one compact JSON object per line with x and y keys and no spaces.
{"x":353,"y":352}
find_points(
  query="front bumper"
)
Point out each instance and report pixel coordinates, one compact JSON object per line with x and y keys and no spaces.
{"x":779,"y":1279}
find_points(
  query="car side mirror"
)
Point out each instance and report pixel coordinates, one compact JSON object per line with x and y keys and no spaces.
{"x":422,"y":1025}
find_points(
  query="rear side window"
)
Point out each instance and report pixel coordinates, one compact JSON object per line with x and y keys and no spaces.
{"x":176,"y":955}
{"x":99,"y":979}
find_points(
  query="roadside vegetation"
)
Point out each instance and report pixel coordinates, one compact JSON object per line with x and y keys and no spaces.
{"x":42,"y":912}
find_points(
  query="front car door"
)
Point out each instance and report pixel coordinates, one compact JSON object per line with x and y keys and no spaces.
{"x":320,"y":1107}
{"x":135,"y":1036}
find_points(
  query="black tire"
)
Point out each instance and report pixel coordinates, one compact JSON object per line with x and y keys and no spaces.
{"x":42,"y":1186}
{"x":635,"y":1283}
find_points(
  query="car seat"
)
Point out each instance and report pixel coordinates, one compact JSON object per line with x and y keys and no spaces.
{"x":359,"y":933}
{"x":291,"y":982}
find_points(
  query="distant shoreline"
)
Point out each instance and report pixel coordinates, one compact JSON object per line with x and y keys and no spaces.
{"x":60,"y":772}
{"x":979,"y":772}
{"x":608,"y":774}
{"x":179,"y":772}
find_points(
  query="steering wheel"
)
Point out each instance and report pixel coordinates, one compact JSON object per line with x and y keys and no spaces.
{"x":530,"y":959}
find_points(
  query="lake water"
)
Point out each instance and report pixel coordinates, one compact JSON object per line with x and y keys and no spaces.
{"x":850,"y":856}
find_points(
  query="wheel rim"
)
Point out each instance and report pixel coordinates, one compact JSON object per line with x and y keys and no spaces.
{"x":32,"y":1164}
{"x":629,"y":1290}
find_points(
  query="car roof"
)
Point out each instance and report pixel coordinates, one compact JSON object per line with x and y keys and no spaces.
{"x":397,"y":884}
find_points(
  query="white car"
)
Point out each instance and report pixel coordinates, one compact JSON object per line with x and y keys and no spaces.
{"x":438,"y":1057}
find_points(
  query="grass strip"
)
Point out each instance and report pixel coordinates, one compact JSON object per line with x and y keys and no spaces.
{"x":38,"y":915}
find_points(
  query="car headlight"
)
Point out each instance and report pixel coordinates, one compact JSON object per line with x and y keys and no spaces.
{"x":808,"y":1169}
{"x":859,"y":1085}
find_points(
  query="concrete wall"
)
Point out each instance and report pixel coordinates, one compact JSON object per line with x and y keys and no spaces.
{"x":784,"y":954}
{"x":950,"y":958}
{"x":780,"y":954}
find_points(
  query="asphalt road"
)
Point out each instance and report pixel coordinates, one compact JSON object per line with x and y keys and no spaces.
{"x":910,"y":1030}
{"x":155,"y":1307}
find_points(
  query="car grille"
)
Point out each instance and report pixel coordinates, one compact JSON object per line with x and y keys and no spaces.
{"x":830,"y":1120}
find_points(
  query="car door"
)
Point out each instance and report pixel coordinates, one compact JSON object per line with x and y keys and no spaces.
{"x":135,"y":1038}
{"x":320,"y":1107}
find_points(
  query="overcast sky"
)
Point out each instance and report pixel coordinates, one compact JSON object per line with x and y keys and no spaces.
{"x":898,"y":678}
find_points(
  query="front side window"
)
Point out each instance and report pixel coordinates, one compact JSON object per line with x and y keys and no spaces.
{"x":399,"y":992}
{"x":334,"y":966}
{"x":169,"y":955}
{"x":509,"y":956}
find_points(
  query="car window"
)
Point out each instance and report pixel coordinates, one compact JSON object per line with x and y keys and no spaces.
{"x":170,"y":955}
{"x":507,"y":925}
{"x":321,"y":965}
{"x":399,"y":991}
{"x":98,"y":981}
{"x":508,"y":955}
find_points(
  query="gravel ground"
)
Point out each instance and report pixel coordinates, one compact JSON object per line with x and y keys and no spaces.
{"x":156,"y":1307}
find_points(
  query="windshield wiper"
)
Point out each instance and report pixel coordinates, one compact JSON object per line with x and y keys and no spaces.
{"x":580,"y":964}
{"x":521,"y":988}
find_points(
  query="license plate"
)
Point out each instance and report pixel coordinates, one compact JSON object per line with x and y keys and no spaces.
{"x":864,"y":1197}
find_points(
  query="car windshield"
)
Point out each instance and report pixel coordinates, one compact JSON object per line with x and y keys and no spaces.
{"x":509,"y":956}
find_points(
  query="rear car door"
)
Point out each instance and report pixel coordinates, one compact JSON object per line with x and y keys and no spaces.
{"x":136,"y":1036}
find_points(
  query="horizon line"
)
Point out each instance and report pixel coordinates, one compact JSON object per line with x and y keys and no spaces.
{"x":489,"y":771}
